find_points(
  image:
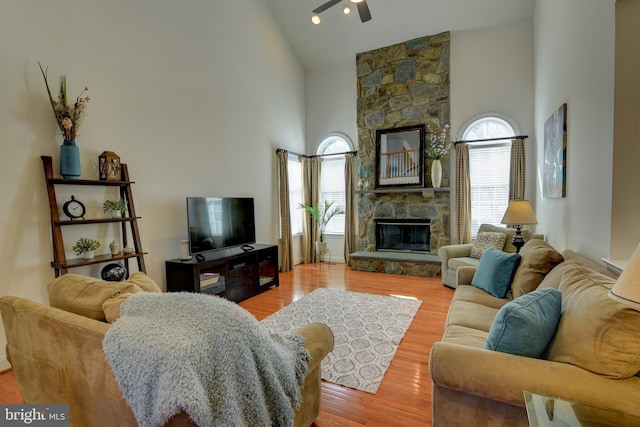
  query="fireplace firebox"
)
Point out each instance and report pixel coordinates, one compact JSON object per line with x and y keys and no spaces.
{"x":403,"y":235}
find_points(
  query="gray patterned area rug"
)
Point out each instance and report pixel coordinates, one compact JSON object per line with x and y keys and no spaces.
{"x":367,"y":328}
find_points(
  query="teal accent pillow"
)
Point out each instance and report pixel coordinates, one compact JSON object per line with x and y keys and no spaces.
{"x":526,"y":325}
{"x":495,"y":272}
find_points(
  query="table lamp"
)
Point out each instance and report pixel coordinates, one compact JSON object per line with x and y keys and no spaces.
{"x":627,"y":287}
{"x":519,"y":213}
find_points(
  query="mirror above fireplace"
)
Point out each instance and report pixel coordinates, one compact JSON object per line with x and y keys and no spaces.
{"x":400,"y":157}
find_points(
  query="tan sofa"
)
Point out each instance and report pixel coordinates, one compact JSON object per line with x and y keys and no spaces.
{"x":454,"y":256}
{"x":593,"y":356}
{"x":57,"y":355}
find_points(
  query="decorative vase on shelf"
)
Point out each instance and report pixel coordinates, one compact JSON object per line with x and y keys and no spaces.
{"x":69,"y":160}
{"x":89,"y":254}
{"x":114,"y":247}
{"x":436,"y":173}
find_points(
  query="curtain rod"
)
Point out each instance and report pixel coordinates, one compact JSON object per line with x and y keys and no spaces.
{"x":491,"y":139}
{"x":279,"y":150}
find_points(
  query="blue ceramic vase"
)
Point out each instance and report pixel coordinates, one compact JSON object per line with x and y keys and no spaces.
{"x":69,"y":160}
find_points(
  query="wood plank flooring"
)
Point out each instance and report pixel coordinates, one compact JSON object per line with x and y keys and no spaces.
{"x":404,"y":397}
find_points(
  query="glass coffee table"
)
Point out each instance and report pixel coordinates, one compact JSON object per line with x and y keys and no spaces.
{"x":547,"y":411}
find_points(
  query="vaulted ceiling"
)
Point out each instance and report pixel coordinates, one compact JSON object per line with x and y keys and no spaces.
{"x":339,"y":37}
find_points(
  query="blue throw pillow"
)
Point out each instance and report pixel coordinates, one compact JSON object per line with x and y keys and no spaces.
{"x":526,"y":325}
{"x":495,"y":272}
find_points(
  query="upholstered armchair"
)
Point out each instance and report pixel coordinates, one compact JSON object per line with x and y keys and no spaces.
{"x":57,"y":356}
{"x":454,"y":256}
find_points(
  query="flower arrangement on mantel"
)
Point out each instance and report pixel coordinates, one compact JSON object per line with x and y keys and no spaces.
{"x":68,"y":117}
{"x":439,"y":143}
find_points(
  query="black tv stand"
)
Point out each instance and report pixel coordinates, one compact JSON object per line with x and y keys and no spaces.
{"x":234,"y":274}
{"x":247,"y":248}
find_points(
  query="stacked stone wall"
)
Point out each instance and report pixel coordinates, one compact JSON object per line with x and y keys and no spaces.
{"x":403,"y":85}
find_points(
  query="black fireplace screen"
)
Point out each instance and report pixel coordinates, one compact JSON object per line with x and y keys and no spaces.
{"x":403,"y":235}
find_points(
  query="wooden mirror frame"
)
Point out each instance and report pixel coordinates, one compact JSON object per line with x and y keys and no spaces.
{"x":400,"y":157}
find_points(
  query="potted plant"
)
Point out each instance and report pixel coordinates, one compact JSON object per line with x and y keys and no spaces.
{"x":86,"y":246}
{"x":321,"y":215}
{"x":117,"y":208}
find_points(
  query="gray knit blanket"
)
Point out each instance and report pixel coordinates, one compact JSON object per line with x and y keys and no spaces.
{"x":206,"y":356}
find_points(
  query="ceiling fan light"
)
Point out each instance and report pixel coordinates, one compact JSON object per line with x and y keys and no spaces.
{"x":346,"y":10}
{"x":356,"y":1}
{"x":316,"y":19}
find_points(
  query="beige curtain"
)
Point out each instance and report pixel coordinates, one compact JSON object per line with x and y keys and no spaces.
{"x":463,"y":194}
{"x":349,"y":206}
{"x":518,"y":170}
{"x":311,"y":167}
{"x":286,"y":248}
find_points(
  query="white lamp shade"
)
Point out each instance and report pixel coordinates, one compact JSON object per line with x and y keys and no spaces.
{"x":519,"y":212}
{"x":627,"y":287}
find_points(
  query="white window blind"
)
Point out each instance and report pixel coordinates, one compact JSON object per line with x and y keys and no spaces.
{"x":489,"y":164}
{"x":295,"y":194}
{"x":489,"y":176}
{"x":332,"y":190}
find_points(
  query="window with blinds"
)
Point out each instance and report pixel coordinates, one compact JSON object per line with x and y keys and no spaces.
{"x":332,"y":186}
{"x":489,"y":176}
{"x":295,"y":194}
{"x":332,"y":190}
{"x":489,"y":164}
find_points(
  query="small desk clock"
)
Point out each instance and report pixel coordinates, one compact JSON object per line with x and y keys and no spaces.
{"x":74,"y":209}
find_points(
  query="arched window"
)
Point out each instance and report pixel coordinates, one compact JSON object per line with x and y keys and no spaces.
{"x":332,"y":176}
{"x":488,"y":168}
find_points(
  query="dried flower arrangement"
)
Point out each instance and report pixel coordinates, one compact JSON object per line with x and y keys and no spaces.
{"x":68,"y":117}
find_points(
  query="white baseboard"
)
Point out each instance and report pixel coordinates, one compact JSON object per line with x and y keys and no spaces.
{"x":4,"y":363}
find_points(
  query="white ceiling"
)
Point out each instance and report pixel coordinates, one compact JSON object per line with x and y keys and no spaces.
{"x":339,"y":37}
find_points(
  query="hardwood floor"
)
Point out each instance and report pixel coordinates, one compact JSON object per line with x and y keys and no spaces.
{"x":404,"y":397}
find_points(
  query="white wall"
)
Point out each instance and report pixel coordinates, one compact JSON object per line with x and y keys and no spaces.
{"x":492,"y":72}
{"x":625,"y":227}
{"x":574,"y":63}
{"x":193,"y":96}
{"x":331,"y":94}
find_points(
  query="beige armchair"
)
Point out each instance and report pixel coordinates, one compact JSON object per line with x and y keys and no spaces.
{"x":454,"y":256}
{"x":58,"y":358}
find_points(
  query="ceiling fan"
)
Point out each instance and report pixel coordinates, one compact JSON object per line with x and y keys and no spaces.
{"x":363,"y":10}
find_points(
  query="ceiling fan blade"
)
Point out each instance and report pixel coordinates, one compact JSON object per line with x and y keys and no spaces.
{"x":326,"y":6}
{"x":363,"y":10}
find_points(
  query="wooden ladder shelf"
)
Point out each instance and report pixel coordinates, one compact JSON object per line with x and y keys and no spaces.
{"x":60,"y":262}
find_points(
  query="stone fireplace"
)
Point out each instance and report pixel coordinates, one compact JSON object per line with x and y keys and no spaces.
{"x":400,"y":235}
{"x":406,"y":84}
{"x":429,"y":207}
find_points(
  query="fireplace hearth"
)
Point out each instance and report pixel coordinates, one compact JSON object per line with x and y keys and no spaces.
{"x":403,"y":235}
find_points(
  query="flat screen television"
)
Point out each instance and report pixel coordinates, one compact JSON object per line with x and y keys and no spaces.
{"x":220,"y":223}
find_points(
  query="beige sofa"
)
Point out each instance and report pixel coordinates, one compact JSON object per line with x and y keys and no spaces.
{"x":454,"y":256}
{"x":57,"y":354}
{"x":593,"y":357}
